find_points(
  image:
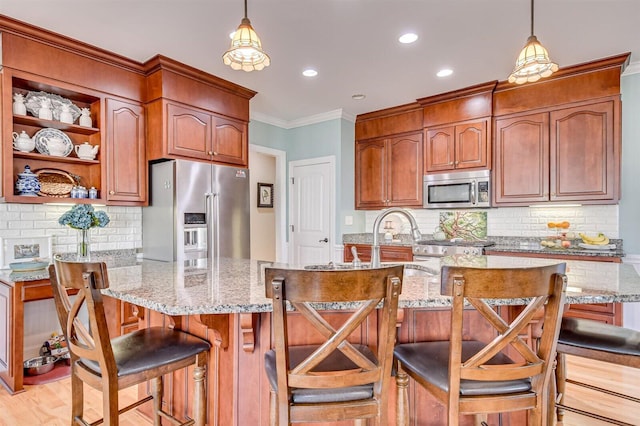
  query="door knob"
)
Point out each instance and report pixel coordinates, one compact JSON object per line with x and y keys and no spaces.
{"x":326,"y":240}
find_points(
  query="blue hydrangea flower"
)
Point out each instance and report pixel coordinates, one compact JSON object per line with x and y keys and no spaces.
{"x":83,"y":216}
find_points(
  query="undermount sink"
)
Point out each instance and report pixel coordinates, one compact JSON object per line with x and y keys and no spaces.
{"x":418,"y":271}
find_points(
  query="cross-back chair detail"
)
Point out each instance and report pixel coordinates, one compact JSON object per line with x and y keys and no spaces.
{"x":113,"y":364}
{"x":500,"y":375}
{"x":335,"y":379}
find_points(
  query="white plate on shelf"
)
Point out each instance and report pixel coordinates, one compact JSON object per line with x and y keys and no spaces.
{"x":49,"y":132}
{"x":597,"y":247}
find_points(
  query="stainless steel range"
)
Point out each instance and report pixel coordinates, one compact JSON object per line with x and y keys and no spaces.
{"x":426,"y":249}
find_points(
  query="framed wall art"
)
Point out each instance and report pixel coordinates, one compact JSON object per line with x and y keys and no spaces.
{"x":24,"y":249}
{"x":265,"y":195}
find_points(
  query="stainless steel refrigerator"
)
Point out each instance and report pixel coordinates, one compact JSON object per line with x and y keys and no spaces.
{"x":197,"y":211}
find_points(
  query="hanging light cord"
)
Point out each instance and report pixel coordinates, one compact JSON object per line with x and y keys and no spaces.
{"x":245,"y":5}
{"x":245,"y":12}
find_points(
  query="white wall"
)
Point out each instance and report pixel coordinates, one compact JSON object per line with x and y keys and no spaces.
{"x":263,"y":229}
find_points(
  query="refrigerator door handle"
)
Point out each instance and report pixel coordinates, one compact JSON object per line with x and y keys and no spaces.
{"x":212,"y":213}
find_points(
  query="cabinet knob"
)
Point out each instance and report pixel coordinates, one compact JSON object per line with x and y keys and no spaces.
{"x":210,"y":152}
{"x":112,"y":192}
{"x":457,"y":162}
{"x":215,"y":153}
{"x":451,"y":163}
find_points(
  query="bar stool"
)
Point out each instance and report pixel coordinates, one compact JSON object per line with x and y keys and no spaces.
{"x":111,"y":365}
{"x":599,"y":341}
{"x":330,"y":378}
{"x":505,"y":374}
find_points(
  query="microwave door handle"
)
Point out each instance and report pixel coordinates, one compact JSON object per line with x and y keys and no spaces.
{"x":474,"y":193}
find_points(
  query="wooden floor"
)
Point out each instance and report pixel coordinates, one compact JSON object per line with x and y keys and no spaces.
{"x":50,"y":404}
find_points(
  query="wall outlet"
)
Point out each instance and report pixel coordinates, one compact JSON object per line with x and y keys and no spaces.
{"x":348,"y":220}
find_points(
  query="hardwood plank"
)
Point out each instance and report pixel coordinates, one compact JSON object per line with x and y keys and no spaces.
{"x":50,"y":403}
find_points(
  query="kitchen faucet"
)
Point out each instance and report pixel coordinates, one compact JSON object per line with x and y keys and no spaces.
{"x":375,"y":248}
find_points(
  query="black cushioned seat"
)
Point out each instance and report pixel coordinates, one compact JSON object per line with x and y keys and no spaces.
{"x":149,"y":348}
{"x":599,"y":336}
{"x":430,"y":360}
{"x":335,"y":361}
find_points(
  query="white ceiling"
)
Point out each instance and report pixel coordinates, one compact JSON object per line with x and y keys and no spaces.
{"x":352,"y":43}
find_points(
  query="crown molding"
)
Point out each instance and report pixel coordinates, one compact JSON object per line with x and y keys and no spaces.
{"x":304,"y":121}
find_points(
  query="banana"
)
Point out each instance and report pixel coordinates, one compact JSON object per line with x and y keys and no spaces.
{"x":600,"y":240}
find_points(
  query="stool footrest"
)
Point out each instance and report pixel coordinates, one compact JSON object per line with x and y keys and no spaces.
{"x":594,"y":416}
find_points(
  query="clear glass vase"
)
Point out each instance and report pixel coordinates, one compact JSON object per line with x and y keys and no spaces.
{"x":84,"y":246}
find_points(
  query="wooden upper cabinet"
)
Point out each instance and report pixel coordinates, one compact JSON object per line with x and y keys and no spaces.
{"x":404,"y":175}
{"x":457,"y":129}
{"x":189,"y":132}
{"x":456,"y":147}
{"x":230,"y":141}
{"x":126,"y":165}
{"x":195,"y":115}
{"x":584,"y":153}
{"x":567,"y":154}
{"x":371,"y":170}
{"x":521,"y":168}
{"x":389,"y":172}
{"x":389,"y":164}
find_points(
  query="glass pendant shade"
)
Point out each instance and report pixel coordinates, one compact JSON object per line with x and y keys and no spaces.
{"x":533,"y":63}
{"x":246,"y":51}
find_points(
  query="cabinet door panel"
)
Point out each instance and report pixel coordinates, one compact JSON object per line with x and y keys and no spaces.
{"x":230,"y":141}
{"x":126,"y":160}
{"x":189,"y":132}
{"x":370,"y":174}
{"x":522,"y":159}
{"x":582,"y":153}
{"x":440,"y":149}
{"x":5,"y":336}
{"x":471,"y":145}
{"x":404,"y":186}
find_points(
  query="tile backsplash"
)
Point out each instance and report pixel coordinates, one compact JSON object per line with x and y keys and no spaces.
{"x":525,"y":221}
{"x":124,"y":230}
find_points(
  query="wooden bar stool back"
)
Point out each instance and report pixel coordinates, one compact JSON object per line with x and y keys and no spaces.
{"x":594,"y":340}
{"x":502,"y":375}
{"x":335,"y":379}
{"x":110,"y":365}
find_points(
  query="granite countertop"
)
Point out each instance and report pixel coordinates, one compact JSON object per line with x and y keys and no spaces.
{"x":237,"y":285}
{"x":502,"y":245}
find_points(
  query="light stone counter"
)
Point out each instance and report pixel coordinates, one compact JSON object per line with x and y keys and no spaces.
{"x":237,"y":285}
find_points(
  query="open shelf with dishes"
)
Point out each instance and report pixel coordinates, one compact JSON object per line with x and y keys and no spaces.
{"x":65,"y":153}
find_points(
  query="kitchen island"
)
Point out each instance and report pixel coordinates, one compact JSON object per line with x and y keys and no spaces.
{"x":227,"y":306}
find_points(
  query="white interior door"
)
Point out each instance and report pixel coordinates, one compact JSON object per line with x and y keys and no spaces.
{"x":311,"y":210}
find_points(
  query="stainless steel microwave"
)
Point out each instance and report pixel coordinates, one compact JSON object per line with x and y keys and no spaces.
{"x":463,"y":190}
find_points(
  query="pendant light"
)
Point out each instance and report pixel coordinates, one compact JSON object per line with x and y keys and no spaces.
{"x":533,"y":62}
{"x":246,"y":52}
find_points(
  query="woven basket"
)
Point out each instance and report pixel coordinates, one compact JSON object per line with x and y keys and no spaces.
{"x":56,"y":183}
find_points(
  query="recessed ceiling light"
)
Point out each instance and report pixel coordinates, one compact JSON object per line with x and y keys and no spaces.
{"x":358,"y":97}
{"x":408,"y":38}
{"x":309,"y":72}
{"x":444,"y":72}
